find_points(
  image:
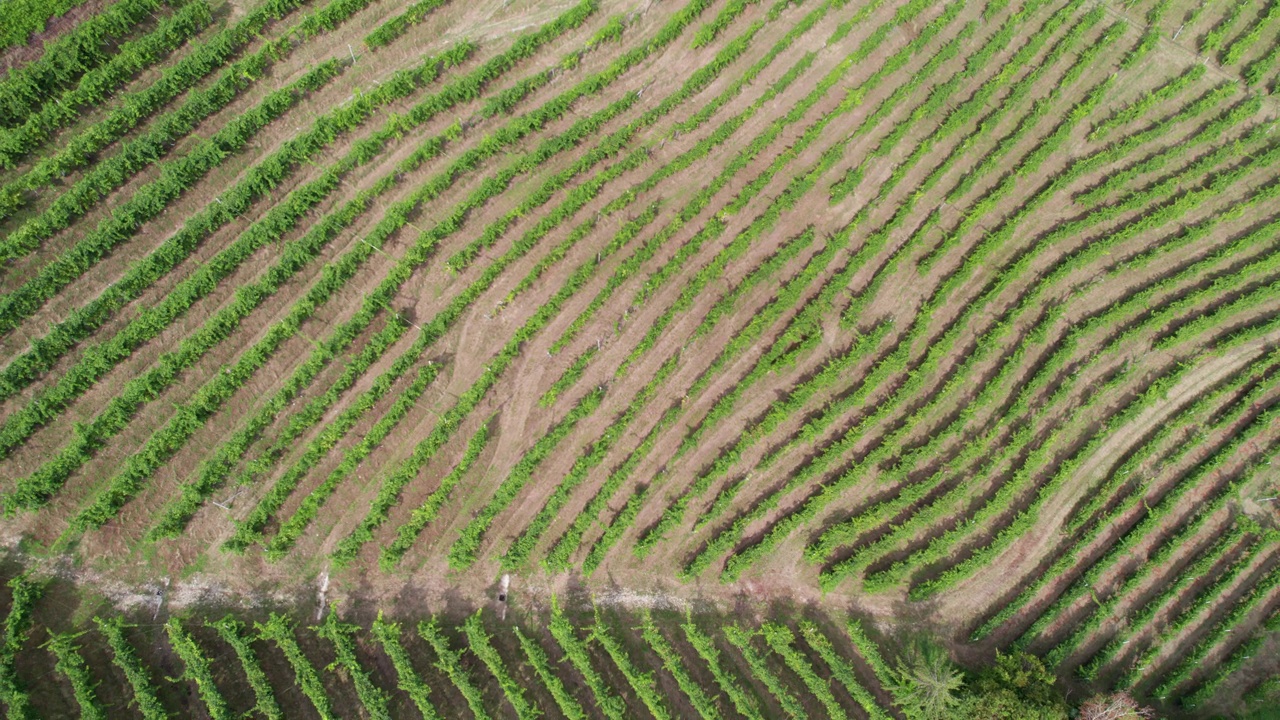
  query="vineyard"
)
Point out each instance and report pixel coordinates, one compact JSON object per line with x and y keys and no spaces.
{"x":829,"y":323}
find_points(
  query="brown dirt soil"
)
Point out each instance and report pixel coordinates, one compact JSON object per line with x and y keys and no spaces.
{"x":981,"y":311}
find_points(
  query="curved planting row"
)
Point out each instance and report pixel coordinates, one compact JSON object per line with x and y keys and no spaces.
{"x":547,"y":311}
{"x":961,"y":313}
{"x":758,"y":226}
{"x":936,"y":350}
{"x":1119,"y":496}
{"x":850,"y":399}
{"x":797,"y":337}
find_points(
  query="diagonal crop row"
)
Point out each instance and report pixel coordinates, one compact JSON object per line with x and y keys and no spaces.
{"x":26,"y":89}
{"x":197,"y":64}
{"x":233,"y":632}
{"x":388,"y":636}
{"x":213,"y":394}
{"x":937,"y":349}
{"x":279,"y":630}
{"x":373,"y":699}
{"x":95,"y":86}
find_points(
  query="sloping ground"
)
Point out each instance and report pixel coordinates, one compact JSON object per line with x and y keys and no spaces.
{"x":958,"y":315}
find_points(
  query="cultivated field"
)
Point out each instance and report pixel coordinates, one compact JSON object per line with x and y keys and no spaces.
{"x":956,"y":317}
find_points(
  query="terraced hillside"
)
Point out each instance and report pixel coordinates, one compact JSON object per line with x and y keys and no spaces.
{"x":958,"y":316}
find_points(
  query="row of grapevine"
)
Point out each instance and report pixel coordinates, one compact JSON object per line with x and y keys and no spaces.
{"x":1139,"y":298}
{"x":279,"y":630}
{"x":642,"y":683}
{"x":102,"y":357}
{"x":197,"y":667}
{"x":842,"y":670}
{"x":1010,"y":494}
{"x":449,"y":661}
{"x":792,"y":343}
{"x":125,"y":658}
{"x":95,"y":86}
{"x":1181,"y":206}
{"x":440,"y":323}
{"x":396,"y":26}
{"x":1191,"y":611}
{"x":674,"y":512}
{"x":763,"y":673}
{"x":25,"y":591}
{"x":388,"y":635}
{"x":953,"y":326}
{"x":781,"y":640}
{"x":479,"y":645}
{"x":29,"y":17}
{"x":296,"y":524}
{"x":540,"y":661}
{"x":967,"y":110}
{"x":215,"y":393}
{"x":182,"y":77}
{"x":704,"y":646}
{"x":72,"y":666}
{"x":464,"y":550}
{"x":422,"y":516}
{"x":1030,"y":161}
{"x":545,"y":313}
{"x":436,"y":189}
{"x":592,"y":455}
{"x":1089,"y":521}
{"x":703,"y":198}
{"x":234,"y":633}
{"x":599,"y":645}
{"x":25,"y":89}
{"x":674,"y":665}
{"x":558,"y":557}
{"x":175,"y":175}
{"x":1227,"y":666}
{"x":927,"y":295}
{"x":1157,"y":160}
{"x":845,"y":402}
{"x":216,"y":469}
{"x":373,"y":699}
{"x":1157,"y":513}
{"x":576,"y":652}
{"x":139,"y":153}
{"x":1028,"y":120}
{"x":1217,"y":35}
{"x":1144,"y":103}
{"x":1204,"y":560}
{"x":1255,"y":596}
{"x":169,"y":255}
{"x":1106,"y":608}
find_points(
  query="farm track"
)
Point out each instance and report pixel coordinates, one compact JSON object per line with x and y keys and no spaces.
{"x":969,"y":306}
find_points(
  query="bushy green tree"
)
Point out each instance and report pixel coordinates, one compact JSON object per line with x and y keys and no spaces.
{"x":1017,"y":687}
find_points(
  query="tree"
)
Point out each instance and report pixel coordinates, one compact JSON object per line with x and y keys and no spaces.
{"x":1017,"y":687}
{"x":926,"y":684}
